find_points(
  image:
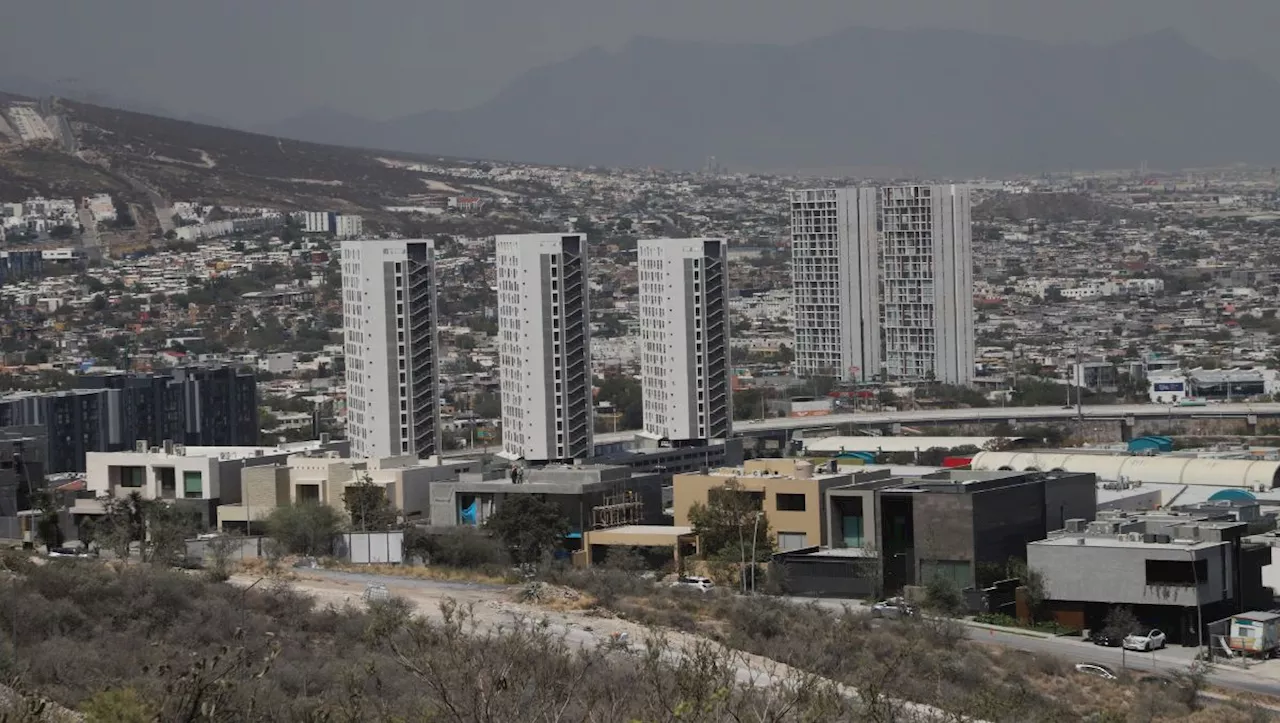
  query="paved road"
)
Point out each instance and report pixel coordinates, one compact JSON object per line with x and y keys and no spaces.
{"x":1166,"y":662}
{"x":1024,"y":414}
{"x":89,"y":240}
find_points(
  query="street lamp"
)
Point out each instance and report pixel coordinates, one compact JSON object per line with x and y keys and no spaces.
{"x":1191,"y":553}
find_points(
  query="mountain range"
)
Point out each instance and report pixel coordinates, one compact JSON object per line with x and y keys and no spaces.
{"x":923,"y":101}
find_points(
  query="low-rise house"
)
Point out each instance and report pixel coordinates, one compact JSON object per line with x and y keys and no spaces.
{"x":323,"y":479}
{"x":1177,"y":571}
{"x":199,"y":477}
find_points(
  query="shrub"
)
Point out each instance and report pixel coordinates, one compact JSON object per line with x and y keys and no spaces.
{"x":944,"y":596}
{"x":305,"y":529}
{"x":462,"y":547}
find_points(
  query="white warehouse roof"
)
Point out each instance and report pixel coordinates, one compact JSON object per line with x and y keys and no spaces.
{"x":1251,"y":474}
{"x":895,"y":444}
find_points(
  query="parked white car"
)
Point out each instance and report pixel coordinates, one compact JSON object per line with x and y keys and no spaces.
{"x":894,"y":607}
{"x":698,"y":583}
{"x":1151,"y":640}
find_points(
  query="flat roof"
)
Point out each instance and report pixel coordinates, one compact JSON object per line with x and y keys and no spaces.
{"x":1112,"y":541}
{"x":1258,"y":616}
{"x":672,"y":530}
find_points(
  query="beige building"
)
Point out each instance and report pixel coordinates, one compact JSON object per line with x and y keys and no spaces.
{"x":406,"y":479}
{"x":789,"y":492}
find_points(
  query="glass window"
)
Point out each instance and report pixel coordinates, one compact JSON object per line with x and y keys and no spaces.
{"x":132,"y":476}
{"x":790,"y":502}
{"x":192,"y":484}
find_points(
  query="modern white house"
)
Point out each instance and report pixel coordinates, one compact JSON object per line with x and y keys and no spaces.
{"x":684,"y":340}
{"x":544,"y":343}
{"x":201,"y":477}
{"x":389,"y":324}
{"x":835,"y":275}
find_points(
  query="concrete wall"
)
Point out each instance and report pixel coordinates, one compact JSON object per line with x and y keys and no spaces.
{"x":1070,"y":497}
{"x":1099,"y":571}
{"x":265,"y":487}
{"x":943,"y":530}
{"x":1006,"y":519}
{"x":696,"y":488}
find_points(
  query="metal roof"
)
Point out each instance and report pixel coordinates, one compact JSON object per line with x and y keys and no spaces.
{"x":1249,"y":474}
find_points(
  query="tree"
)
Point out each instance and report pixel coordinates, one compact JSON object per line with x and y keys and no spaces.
{"x":167,"y":527}
{"x":124,"y":522}
{"x":47,"y":527}
{"x":1120,"y":621}
{"x":87,"y":532}
{"x":1032,"y":583}
{"x":730,"y":525}
{"x":944,"y":596}
{"x":221,"y":550}
{"x":747,"y":403}
{"x":624,"y":394}
{"x":307,"y":528}
{"x":529,"y":526}
{"x":160,"y":528}
{"x":368,"y":507}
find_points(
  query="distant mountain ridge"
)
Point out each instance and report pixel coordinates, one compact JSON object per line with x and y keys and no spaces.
{"x":933,"y":101}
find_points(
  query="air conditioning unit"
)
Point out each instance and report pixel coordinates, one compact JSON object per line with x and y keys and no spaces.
{"x":180,"y":449}
{"x":140,"y":446}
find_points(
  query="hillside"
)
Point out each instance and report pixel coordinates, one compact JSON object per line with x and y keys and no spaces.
{"x":148,"y":159}
{"x":928,"y":101}
{"x":189,"y":160}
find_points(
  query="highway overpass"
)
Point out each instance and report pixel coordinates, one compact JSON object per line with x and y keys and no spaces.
{"x":1123,"y":413}
{"x":1013,"y":415}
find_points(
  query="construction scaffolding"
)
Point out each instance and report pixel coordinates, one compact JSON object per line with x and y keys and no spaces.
{"x":620,"y":508}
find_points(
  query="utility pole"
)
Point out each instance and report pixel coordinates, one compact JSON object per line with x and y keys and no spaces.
{"x":1079,"y":391}
{"x":1199,"y":610}
{"x":755,"y":532}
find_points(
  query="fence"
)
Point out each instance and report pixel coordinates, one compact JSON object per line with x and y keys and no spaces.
{"x":10,"y":528}
{"x":250,"y":548}
{"x":365,"y":548}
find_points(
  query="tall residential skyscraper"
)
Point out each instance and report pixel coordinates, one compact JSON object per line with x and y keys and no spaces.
{"x":389,"y":320}
{"x":684,"y":336}
{"x":543,"y":320}
{"x":833,"y":267}
{"x":926,"y":271}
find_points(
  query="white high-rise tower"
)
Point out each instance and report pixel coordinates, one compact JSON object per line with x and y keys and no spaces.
{"x":684,"y":340}
{"x":834,"y":247}
{"x":926,"y":271}
{"x":543,"y":321}
{"x":389,"y":325}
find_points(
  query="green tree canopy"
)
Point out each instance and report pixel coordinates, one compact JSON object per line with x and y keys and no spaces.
{"x":368,"y":507}
{"x":529,"y":526}
{"x":731,"y":523}
{"x":305,"y":529}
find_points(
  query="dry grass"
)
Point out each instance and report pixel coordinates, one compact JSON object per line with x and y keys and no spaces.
{"x":426,"y":572}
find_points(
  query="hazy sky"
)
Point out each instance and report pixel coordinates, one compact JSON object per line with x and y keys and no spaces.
{"x":251,"y":61}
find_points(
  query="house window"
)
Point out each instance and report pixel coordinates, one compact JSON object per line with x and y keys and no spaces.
{"x":1176,"y":572}
{"x":192,"y":484}
{"x":790,"y":502}
{"x":132,"y":476}
{"x":168,"y":482}
{"x":791,"y":540}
